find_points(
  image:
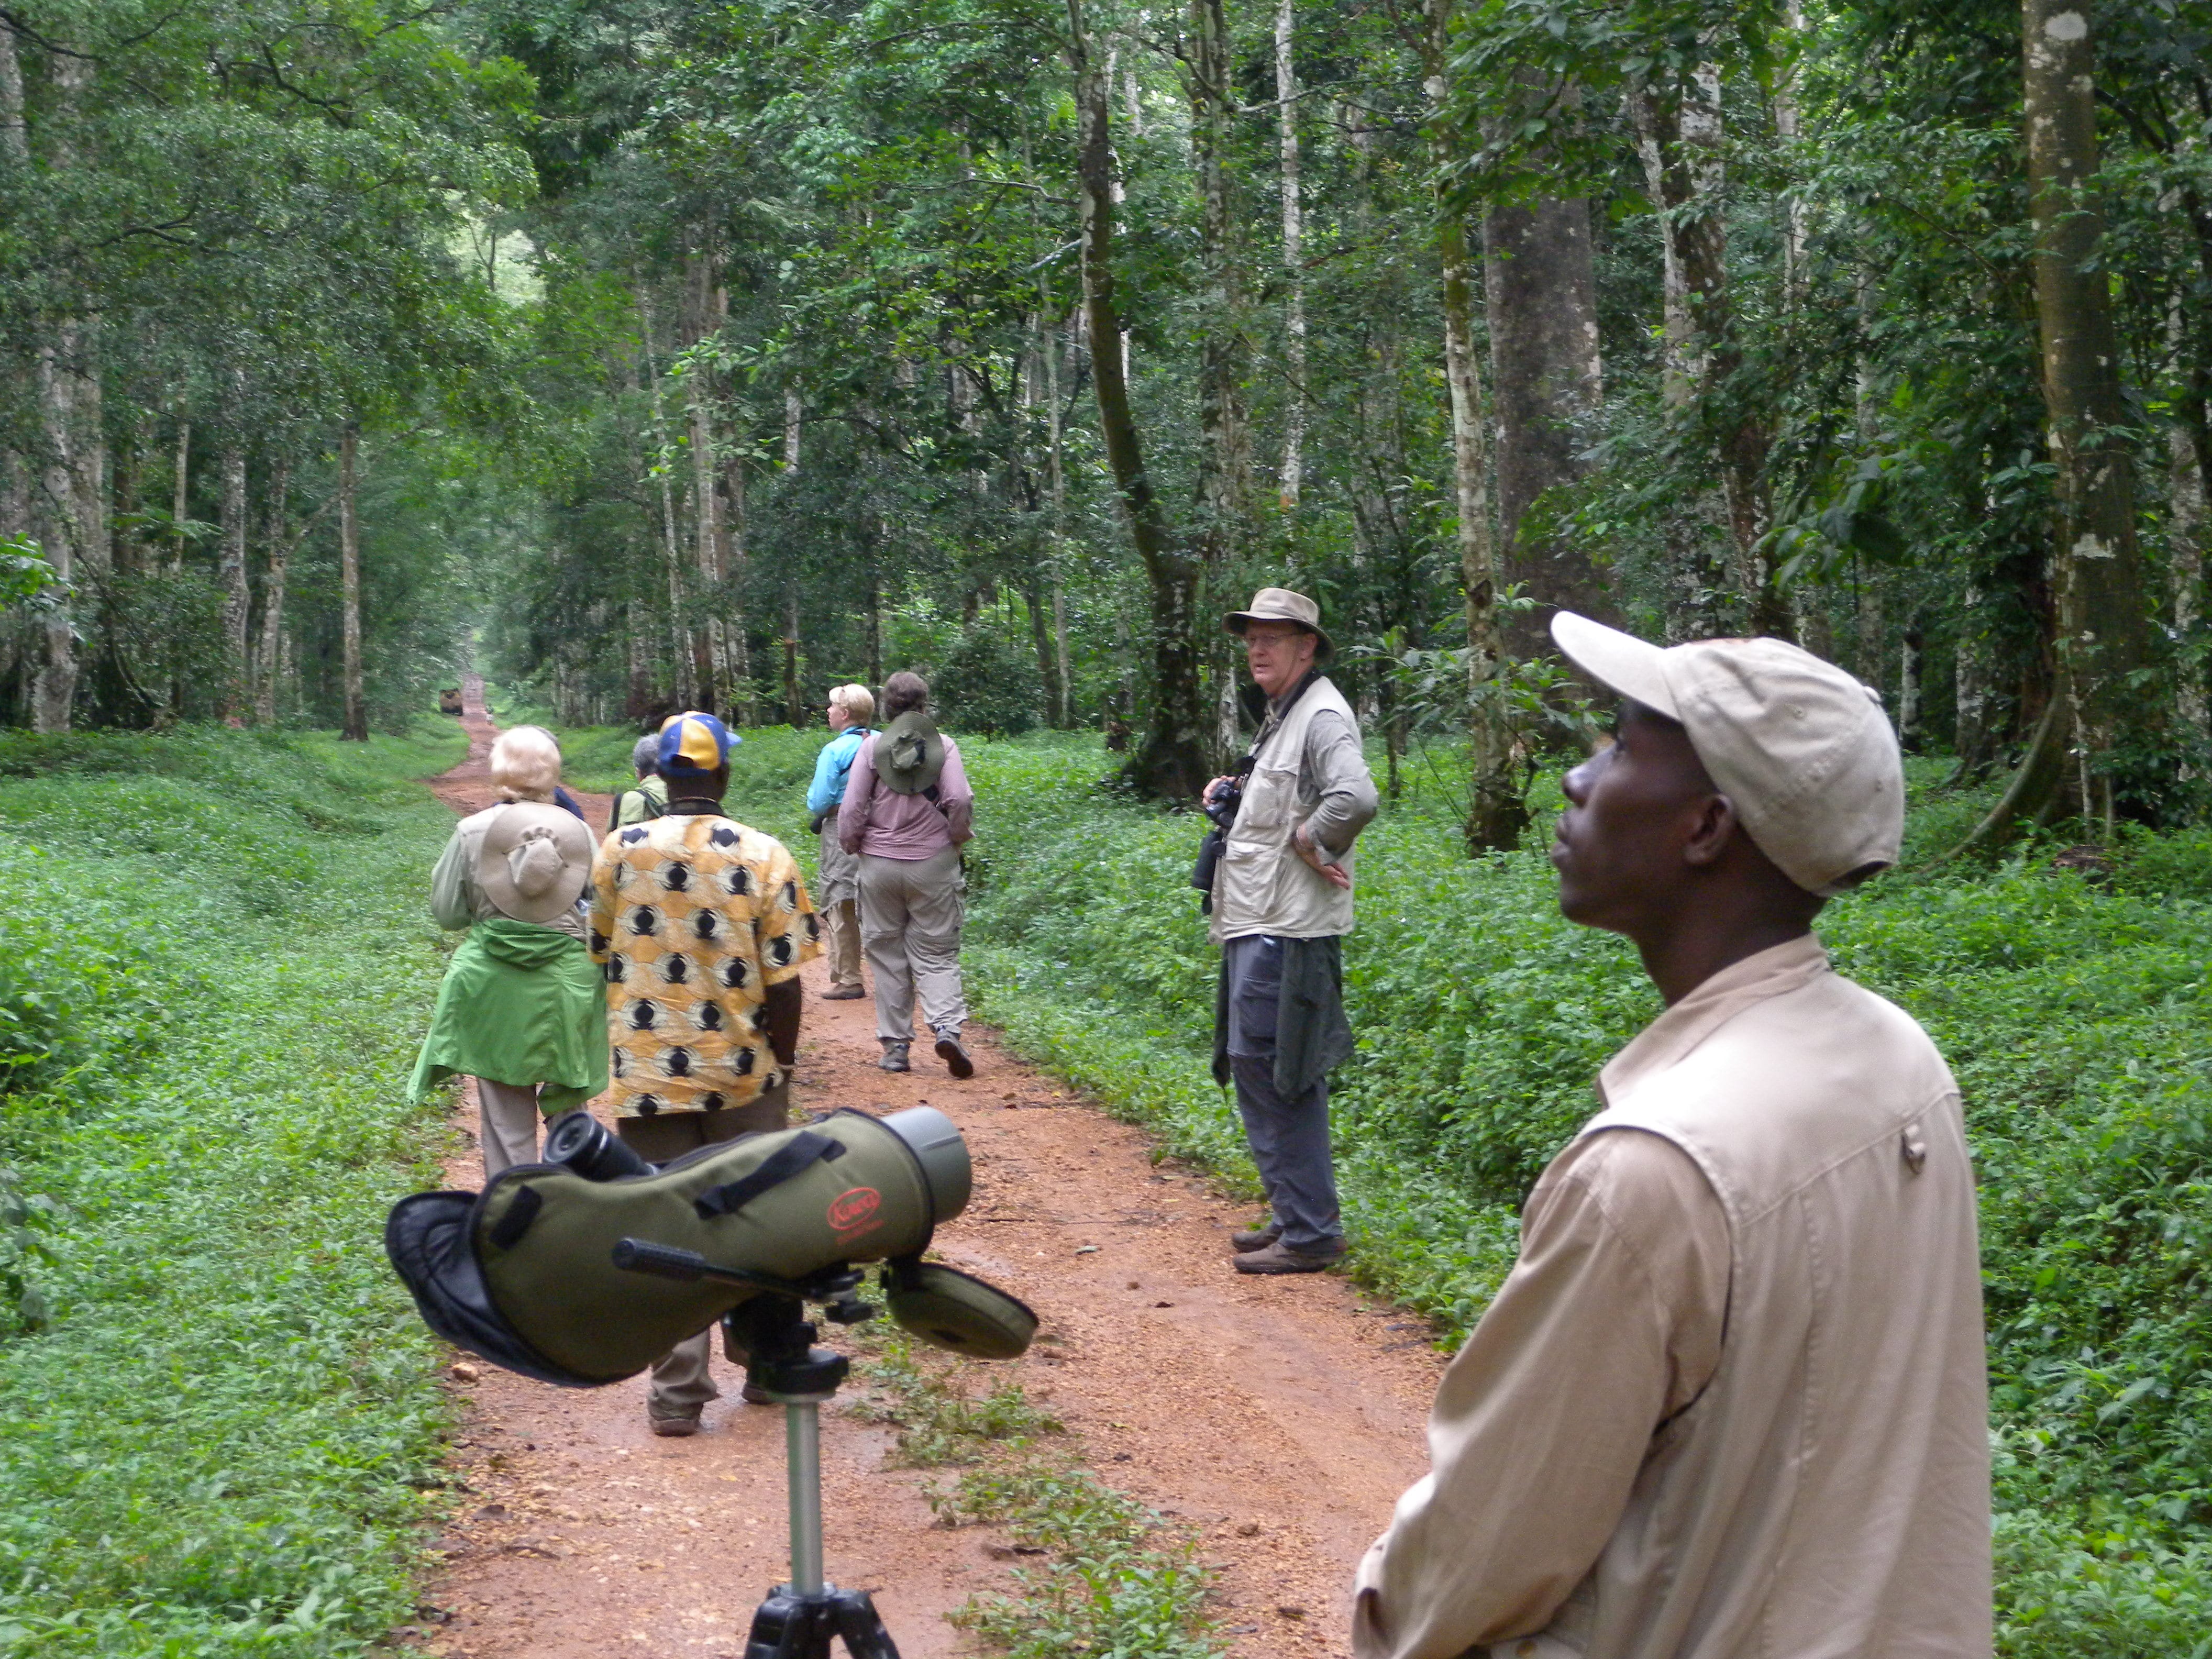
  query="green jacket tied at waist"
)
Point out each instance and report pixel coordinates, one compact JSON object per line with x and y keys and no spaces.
{"x":520,"y":1003}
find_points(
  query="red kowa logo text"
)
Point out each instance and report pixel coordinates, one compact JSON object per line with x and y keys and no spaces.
{"x":854,"y":1209}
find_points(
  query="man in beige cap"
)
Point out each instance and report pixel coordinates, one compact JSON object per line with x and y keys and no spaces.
{"x":1730,"y":1400}
{"x":1281,"y":903}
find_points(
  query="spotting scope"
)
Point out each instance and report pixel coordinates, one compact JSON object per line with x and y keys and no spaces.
{"x":587,"y":1267}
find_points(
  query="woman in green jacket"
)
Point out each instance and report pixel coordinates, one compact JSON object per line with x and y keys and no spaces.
{"x":523,"y":1008}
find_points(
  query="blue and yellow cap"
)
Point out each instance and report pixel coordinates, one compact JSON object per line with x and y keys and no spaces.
{"x":693,"y":743}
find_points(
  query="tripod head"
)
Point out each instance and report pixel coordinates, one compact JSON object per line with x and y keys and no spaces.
{"x":770,"y":1332}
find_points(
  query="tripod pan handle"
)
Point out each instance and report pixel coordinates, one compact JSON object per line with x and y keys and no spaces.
{"x":642,"y":1255}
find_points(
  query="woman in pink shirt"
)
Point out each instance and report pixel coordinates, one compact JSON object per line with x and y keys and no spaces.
{"x":907,"y":809}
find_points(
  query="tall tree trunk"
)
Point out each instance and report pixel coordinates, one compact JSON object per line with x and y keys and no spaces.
{"x":231,"y":572}
{"x":706,"y":519}
{"x":1171,"y":762}
{"x":1541,"y":289}
{"x":2184,"y":532}
{"x":1290,"y":478}
{"x":679,"y":634}
{"x":272,"y":595}
{"x":1680,"y":135}
{"x":638,"y":701}
{"x":355,"y":729}
{"x":1497,"y":813}
{"x":1056,"y":476}
{"x":2104,"y":635}
{"x":1224,"y":467}
{"x":1037,"y":376}
{"x":180,"y":500}
{"x":794,"y":712}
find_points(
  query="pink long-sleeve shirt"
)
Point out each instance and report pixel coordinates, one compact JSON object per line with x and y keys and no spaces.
{"x":885,"y":824}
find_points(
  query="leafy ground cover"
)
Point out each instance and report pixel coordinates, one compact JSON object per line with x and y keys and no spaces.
{"x":2072,"y":1003}
{"x":218,"y":1433}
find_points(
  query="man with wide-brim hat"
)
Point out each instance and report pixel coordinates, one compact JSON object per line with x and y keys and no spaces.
{"x":1281,"y":900}
{"x":908,"y":812}
{"x":1731,"y":1398}
{"x":522,"y":1008}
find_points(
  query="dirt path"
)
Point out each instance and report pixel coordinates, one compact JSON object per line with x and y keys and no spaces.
{"x":1287,"y":1406}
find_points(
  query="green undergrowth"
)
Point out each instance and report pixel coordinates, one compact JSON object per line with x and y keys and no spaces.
{"x":2072,"y":1002}
{"x":217,"y":1432}
{"x":2073,"y":1006}
{"x":1103,"y":1576}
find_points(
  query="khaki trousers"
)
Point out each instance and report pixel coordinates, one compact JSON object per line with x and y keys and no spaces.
{"x":506,"y":1125}
{"x":911,"y":913}
{"x":841,"y":922}
{"x":683,"y":1380}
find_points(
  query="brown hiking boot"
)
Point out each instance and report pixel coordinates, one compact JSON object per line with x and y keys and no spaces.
{"x":1280,"y":1258}
{"x":844,"y":994}
{"x":1254,"y":1238}
{"x":674,"y":1428}
{"x":954,"y":1056}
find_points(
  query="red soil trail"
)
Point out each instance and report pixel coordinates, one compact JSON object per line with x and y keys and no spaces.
{"x":1279,"y":1419}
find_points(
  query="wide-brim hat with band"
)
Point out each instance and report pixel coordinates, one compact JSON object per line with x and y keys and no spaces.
{"x":694,"y":745}
{"x":534,"y":860}
{"x":1800,"y":748}
{"x":909,"y":754}
{"x":1280,"y":604}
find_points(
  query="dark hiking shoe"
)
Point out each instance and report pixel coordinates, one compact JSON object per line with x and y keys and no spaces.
{"x":753,"y":1395}
{"x":954,"y":1056}
{"x":1280,"y":1258}
{"x":844,"y":994}
{"x":1254,"y":1238}
{"x":894,"y":1058}
{"x":674,"y":1428}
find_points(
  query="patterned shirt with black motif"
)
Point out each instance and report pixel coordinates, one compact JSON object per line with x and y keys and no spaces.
{"x":695,"y":916}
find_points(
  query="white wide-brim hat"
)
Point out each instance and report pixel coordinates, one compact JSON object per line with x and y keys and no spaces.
{"x":534,"y":860}
{"x":1800,"y":748}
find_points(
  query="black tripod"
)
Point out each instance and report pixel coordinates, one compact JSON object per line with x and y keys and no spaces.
{"x":798,"y":1619}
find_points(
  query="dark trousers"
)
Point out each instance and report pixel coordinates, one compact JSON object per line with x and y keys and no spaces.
{"x":1289,"y":1136}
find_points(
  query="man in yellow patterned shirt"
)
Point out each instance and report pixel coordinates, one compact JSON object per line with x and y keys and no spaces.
{"x":703,"y":924}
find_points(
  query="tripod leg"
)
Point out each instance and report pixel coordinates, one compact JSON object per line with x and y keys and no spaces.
{"x":862,"y":1626}
{"x":788,"y":1627}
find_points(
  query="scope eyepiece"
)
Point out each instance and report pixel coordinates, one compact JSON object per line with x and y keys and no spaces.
{"x":580,"y":1143}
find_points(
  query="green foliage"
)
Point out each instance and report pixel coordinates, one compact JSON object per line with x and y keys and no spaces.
{"x":2075,"y":1016}
{"x":986,"y":683}
{"x":1113,"y":1578}
{"x":225,"y":1438}
{"x":26,"y":577}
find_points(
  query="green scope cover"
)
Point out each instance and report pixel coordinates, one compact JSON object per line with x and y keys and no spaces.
{"x":542,"y":1239}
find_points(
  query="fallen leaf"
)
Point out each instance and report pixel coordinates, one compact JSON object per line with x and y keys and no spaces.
{"x":461,"y":1371}
{"x":1291,"y":1610}
{"x":1086,"y":1249}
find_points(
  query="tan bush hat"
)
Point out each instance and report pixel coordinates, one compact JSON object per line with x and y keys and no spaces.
{"x":1800,"y":748}
{"x":1280,"y":604}
{"x":534,"y":860}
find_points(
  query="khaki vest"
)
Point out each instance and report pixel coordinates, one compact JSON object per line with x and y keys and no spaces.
{"x":1827,"y":1494}
{"x":1261,"y":884}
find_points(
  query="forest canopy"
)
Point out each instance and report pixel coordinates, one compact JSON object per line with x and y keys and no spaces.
{"x":710,"y":355}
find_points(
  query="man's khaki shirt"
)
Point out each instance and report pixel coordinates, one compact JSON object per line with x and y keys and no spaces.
{"x":1730,"y":1400}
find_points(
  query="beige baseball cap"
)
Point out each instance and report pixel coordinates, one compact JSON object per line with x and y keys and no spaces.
{"x":1800,"y":748}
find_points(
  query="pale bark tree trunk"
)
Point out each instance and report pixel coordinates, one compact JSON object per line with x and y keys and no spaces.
{"x":707,"y":519}
{"x":272,"y":596}
{"x":356,"y":707}
{"x":679,"y":635}
{"x":1290,"y":478}
{"x":1056,"y":480}
{"x":1497,"y":812}
{"x":2104,"y":621}
{"x":2184,"y":496}
{"x":1541,"y":287}
{"x":1680,"y":135}
{"x":1172,"y":760}
{"x":180,"y":500}
{"x":231,"y":570}
{"x":794,"y":711}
